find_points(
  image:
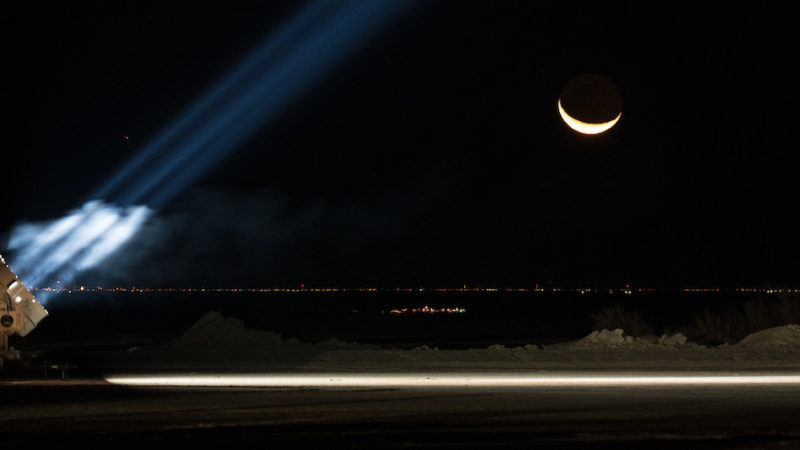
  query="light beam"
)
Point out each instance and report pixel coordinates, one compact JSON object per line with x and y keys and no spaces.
{"x":281,"y":69}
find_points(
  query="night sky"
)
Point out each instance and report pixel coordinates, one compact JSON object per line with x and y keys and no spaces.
{"x":433,"y":156}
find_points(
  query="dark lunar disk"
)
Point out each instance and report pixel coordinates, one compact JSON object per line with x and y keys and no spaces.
{"x":591,"y":98}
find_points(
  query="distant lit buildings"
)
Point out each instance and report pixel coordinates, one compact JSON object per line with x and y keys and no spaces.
{"x":427,"y":310}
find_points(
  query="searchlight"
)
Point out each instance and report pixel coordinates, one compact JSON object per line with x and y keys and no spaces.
{"x":20,"y":312}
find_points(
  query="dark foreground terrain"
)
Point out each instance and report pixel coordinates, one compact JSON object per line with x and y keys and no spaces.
{"x":91,"y":413}
{"x":86,"y":411}
{"x":115,"y":320}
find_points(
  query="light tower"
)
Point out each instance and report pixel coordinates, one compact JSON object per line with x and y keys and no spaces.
{"x":20,"y":313}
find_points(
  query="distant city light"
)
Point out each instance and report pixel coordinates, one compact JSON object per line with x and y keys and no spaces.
{"x":414,"y":291}
{"x":426,"y":310}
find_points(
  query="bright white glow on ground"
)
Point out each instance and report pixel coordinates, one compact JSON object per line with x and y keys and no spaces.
{"x":445,"y":380}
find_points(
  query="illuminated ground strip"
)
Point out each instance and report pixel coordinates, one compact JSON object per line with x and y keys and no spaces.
{"x":446,"y":380}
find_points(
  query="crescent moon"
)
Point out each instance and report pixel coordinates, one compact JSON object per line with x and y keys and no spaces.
{"x":586,"y":127}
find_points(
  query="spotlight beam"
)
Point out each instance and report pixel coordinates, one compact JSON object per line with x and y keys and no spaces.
{"x":281,"y":69}
{"x":210,"y":137}
{"x":206,"y":104}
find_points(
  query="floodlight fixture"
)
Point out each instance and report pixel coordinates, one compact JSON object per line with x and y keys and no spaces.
{"x":20,"y":312}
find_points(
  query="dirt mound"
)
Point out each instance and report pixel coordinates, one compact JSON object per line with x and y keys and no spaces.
{"x":215,"y":332}
{"x":784,"y":337}
{"x":612,"y":339}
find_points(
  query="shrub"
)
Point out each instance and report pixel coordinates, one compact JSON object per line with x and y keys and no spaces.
{"x":733,"y":324}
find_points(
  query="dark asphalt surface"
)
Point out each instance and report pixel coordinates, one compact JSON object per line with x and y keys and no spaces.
{"x":96,"y":414}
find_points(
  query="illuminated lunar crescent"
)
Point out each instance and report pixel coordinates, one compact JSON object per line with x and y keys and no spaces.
{"x":590,"y":104}
{"x":585,"y":127}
